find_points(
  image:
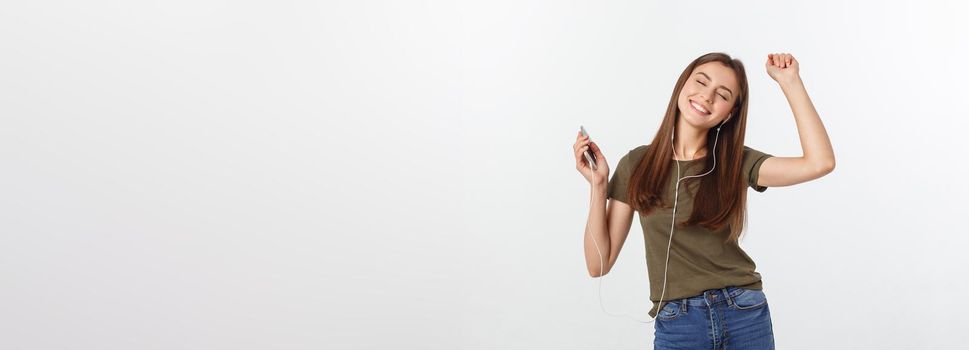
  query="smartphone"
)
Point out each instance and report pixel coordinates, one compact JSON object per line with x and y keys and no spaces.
{"x":589,"y":155}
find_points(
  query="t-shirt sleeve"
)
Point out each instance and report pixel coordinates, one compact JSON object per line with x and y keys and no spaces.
{"x":619,"y":184}
{"x":751,"y":167}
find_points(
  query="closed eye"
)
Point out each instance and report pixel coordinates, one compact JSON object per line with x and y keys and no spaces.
{"x":721,"y":96}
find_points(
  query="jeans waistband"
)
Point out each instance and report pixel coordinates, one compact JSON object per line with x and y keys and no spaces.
{"x":712,"y":296}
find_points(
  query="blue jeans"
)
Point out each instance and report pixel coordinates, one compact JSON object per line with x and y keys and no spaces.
{"x":726,"y":318}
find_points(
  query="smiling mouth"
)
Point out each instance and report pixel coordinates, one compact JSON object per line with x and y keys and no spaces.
{"x":698,"y":109}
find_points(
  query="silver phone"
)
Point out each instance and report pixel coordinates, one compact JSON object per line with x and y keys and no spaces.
{"x":590,"y":157}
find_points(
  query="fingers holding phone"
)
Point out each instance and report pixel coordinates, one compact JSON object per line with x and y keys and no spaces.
{"x":589,"y":160}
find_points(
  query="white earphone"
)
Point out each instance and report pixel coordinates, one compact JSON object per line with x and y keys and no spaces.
{"x":672,"y":225}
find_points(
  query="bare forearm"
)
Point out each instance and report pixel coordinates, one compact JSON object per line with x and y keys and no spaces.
{"x":814,"y":139}
{"x":597,"y":228}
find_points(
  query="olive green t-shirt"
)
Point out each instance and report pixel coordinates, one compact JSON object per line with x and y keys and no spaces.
{"x":698,"y":258}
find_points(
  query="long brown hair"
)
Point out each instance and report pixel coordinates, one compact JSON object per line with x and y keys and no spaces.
{"x":722,"y":195}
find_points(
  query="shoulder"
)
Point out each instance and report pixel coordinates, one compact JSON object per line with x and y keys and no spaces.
{"x":631,"y":158}
{"x":635,"y":154}
{"x":748,"y":149}
{"x":752,"y":159}
{"x":750,"y":167}
{"x":639,"y":151}
{"x":754,"y":154}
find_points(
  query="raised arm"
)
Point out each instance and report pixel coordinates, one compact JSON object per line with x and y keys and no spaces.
{"x":818,"y":158}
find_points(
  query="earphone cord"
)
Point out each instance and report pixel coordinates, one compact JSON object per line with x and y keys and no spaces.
{"x":672,"y":226}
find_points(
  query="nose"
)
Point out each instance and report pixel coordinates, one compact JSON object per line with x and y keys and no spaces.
{"x":710,"y":92}
{"x":706,"y":98}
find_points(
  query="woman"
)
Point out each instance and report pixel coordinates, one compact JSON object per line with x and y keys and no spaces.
{"x":697,"y":169}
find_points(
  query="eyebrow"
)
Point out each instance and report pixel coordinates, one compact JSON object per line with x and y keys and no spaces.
{"x":724,"y":87}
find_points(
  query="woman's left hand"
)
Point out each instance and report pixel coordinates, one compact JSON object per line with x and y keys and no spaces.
{"x":782,"y":67}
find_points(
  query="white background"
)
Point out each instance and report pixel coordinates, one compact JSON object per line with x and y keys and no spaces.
{"x":375,"y":175}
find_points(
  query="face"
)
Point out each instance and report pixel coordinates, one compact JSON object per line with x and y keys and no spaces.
{"x":708,"y":96}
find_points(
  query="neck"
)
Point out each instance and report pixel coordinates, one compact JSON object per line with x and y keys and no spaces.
{"x":689,"y":142}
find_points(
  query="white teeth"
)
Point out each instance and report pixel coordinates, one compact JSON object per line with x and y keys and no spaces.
{"x":699,"y":107}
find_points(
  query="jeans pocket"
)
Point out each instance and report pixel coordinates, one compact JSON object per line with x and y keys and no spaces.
{"x":670,"y":311}
{"x":749,"y":299}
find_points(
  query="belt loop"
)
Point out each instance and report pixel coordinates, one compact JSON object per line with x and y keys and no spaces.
{"x":683,"y":305}
{"x":727,"y":296}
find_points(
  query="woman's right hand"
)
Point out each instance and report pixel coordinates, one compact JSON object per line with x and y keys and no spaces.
{"x":600,"y":176}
